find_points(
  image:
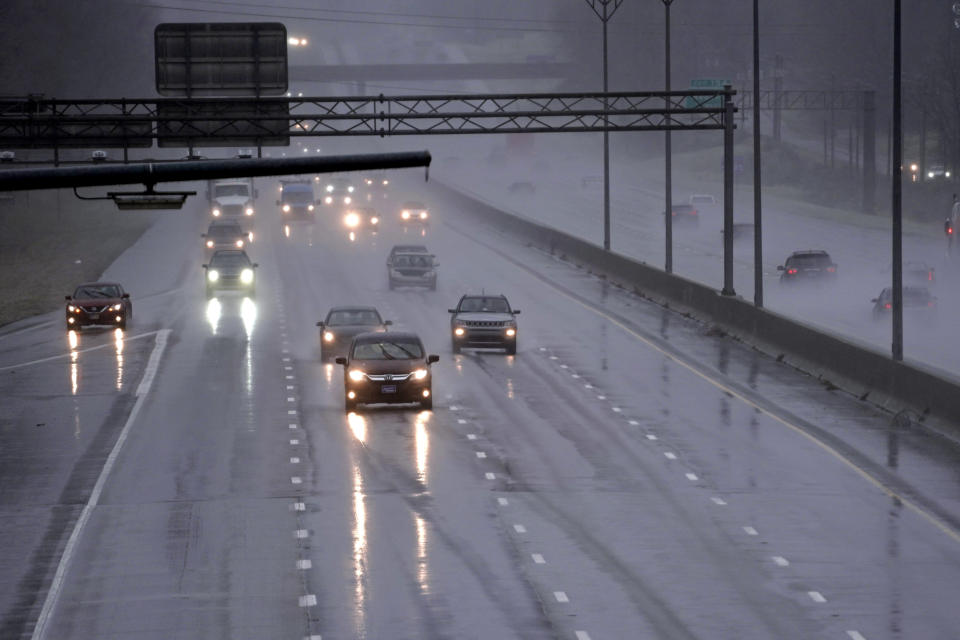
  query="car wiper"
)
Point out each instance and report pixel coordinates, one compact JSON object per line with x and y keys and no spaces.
{"x":409,"y":353}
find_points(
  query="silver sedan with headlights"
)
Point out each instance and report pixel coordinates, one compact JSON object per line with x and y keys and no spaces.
{"x":484,"y":321}
{"x":343,"y":323}
{"x":230,"y":270}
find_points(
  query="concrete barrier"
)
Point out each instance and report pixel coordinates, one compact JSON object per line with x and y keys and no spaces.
{"x":861,"y":370}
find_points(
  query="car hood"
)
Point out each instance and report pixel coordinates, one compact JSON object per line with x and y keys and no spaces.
{"x":83,"y":302}
{"x":229,"y":270}
{"x":388,"y":366}
{"x":225,"y":200}
{"x":353,"y":329}
{"x":485,"y":317}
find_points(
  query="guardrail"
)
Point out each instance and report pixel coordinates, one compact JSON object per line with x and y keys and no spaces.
{"x":869,"y":375}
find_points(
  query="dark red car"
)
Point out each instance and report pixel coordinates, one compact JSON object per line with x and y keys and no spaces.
{"x":98,"y":303}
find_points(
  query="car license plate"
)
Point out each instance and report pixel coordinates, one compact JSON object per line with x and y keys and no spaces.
{"x":94,"y":316}
{"x":388,"y":388}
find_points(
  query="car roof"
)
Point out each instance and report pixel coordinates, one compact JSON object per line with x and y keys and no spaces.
{"x":393,"y":335}
{"x":413,"y":204}
{"x":409,"y":248}
{"x":352,"y":308}
{"x":810,"y":252}
{"x":229,"y":252}
{"x":99,"y":284}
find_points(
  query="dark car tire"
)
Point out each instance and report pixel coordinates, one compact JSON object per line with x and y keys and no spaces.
{"x":427,"y":403}
{"x":391,"y":285}
{"x":71,"y":327}
{"x":454,"y":346}
{"x":349,"y":405}
{"x":512,"y":349}
{"x":122,"y":325}
{"x":433,"y":286}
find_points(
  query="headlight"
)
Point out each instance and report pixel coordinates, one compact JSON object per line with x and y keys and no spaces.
{"x":286,"y":208}
{"x":209,"y":244}
{"x":329,"y":188}
{"x":374,"y":220}
{"x":328,"y":200}
{"x":216,"y":213}
{"x":356,"y":375}
{"x":349,"y":189}
{"x":213,"y":275}
{"x":351,"y":220}
{"x":386,"y":182}
{"x":458,"y":331}
{"x":328,"y":336}
{"x":246,"y":276}
{"x":405,"y":215}
{"x":420,"y":374}
{"x":511,"y":332}
{"x":239,"y":244}
{"x":71,"y":308}
{"x":423,"y":215}
{"x":930,"y":174}
{"x":347,"y":200}
{"x":309,"y":207}
{"x":249,"y":211}
{"x":116,"y":307}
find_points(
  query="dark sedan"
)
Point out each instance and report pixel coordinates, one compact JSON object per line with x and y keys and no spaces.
{"x":808,"y":266}
{"x":98,"y":303}
{"x":918,"y":303}
{"x":343,"y":323}
{"x":225,"y":235}
{"x":387,"y":368}
{"x":231,"y":270}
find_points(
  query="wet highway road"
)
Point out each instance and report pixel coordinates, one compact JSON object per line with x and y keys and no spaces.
{"x":629,"y":474}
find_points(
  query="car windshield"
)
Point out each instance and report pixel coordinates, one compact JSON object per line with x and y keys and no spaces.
{"x":354,"y":316}
{"x":224,"y":231}
{"x":413,"y":205}
{"x":484,"y":304}
{"x":414,"y":260}
{"x":230,"y":260}
{"x":298,"y":196}
{"x":683,"y":207}
{"x":97,"y":291}
{"x":227,"y":190}
{"x":393,"y":349}
{"x":408,"y":248}
{"x":809,"y":260}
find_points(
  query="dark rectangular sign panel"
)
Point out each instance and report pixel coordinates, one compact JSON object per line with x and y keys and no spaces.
{"x":221,"y":59}
{"x":223,"y":123}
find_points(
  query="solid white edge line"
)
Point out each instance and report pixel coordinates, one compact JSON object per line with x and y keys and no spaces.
{"x":816,"y":596}
{"x":53,"y":594}
{"x":855,"y":635}
{"x":561,"y":596}
{"x":582,"y":635}
{"x":110,"y":345}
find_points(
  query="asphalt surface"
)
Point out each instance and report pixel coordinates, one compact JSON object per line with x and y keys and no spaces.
{"x":628,"y":474}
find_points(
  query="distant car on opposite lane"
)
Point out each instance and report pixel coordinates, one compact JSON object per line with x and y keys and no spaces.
{"x":387,"y":368}
{"x":485,"y":321}
{"x":98,"y":304}
{"x":685,"y":214}
{"x":343,"y":323}
{"x":917,"y":302}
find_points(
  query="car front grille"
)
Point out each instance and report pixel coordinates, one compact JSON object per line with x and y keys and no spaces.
{"x":412,"y":273}
{"x":389,"y":377}
{"x":94,"y":308}
{"x":233,"y":210}
{"x":485,"y":324}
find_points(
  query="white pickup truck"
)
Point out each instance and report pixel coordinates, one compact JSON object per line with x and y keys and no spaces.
{"x":232,"y":199}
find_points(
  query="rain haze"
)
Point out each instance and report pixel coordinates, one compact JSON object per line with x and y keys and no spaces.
{"x":556,"y":384}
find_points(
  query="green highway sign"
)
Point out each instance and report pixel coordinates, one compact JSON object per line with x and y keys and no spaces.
{"x":692,"y":102}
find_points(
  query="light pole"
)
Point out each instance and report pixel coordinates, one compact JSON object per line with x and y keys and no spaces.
{"x":757,"y":202}
{"x":668,"y":159}
{"x":605,"y":10}
{"x":897,"y":143}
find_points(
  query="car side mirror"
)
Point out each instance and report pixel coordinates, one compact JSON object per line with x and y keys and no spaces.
{"x":387,"y":323}
{"x":516,"y":312}
{"x":256,"y":264}
{"x":125,"y":296}
{"x":451,"y":310}
{"x":341,"y":360}
{"x":873,"y":299}
{"x":320,"y":323}
{"x":68,"y":298}
{"x":204,"y":266}
{"x":433,"y":358}
{"x":203,"y":235}
{"x":256,"y":193}
{"x":779,"y":267}
{"x":278,"y":203}
{"x":435,"y":264}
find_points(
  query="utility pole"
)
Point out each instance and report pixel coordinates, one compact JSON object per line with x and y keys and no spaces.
{"x":757,"y":200}
{"x":897,"y":144}
{"x":668,"y":156}
{"x":605,"y":10}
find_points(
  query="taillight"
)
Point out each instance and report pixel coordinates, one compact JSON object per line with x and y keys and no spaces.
{"x":929,"y":276}
{"x":791,"y":271}
{"x":888,"y":306}
{"x":694,"y":212}
{"x":832,"y":269}
{"x":931,"y":304}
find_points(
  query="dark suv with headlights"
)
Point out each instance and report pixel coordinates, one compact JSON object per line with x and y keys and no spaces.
{"x":231,"y":270}
{"x":484,"y":321}
{"x":387,"y":368}
{"x":98,"y":303}
{"x":225,"y":235}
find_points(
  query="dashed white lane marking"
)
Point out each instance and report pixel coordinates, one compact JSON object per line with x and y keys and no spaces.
{"x":286,"y":359}
{"x":461,"y":421}
{"x":670,"y":455}
{"x":855,"y":635}
{"x":300,"y":534}
{"x":289,"y":377}
{"x":537,"y":558}
{"x":719,"y":501}
{"x":471,"y":436}
{"x":454,"y":407}
{"x":303,"y":565}
{"x":299,"y":506}
{"x":481,"y":454}
{"x":288,"y":368}
{"x":503,"y":502}
{"x":582,"y":635}
{"x":294,"y":441}
{"x":750,"y":531}
{"x":146,"y":381}
{"x":291,"y":399}
{"x":574,"y":376}
{"x":588,"y":386}
{"x":601,"y":397}
{"x":290,"y":387}
{"x":781,"y":561}
{"x":650,"y":436}
{"x":316,"y":636}
{"x":292,"y":425}
{"x":563,"y":366}
{"x":294,"y":460}
{"x":561,"y":596}
{"x":285,"y":350}
{"x":632,"y":423}
{"x":519,"y":528}
{"x":692,"y":477}
{"x":553,"y":357}
{"x":816,"y":596}
{"x":296,"y":480}
{"x":291,"y":412}
{"x":615,"y":409}
{"x":308,"y":600}
{"x":543,"y":348}
{"x":491,"y":476}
